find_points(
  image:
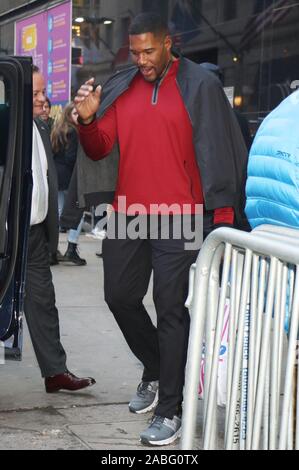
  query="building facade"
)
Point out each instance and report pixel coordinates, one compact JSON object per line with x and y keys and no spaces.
{"x":255,"y":42}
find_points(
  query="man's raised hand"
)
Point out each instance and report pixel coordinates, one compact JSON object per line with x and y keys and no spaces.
{"x":87,"y":101}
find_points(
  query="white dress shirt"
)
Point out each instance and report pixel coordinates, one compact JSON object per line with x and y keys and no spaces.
{"x":40,"y":193}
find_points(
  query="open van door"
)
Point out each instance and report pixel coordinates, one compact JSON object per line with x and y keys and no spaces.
{"x":15,"y":195}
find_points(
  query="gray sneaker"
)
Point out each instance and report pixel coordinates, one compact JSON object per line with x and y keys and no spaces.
{"x":162,"y":431}
{"x":146,"y":397}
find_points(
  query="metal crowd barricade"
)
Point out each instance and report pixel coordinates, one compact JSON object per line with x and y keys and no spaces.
{"x":259,"y":273}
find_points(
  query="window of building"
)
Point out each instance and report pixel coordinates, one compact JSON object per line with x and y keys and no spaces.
{"x":78,"y":3}
{"x":109,"y":34}
{"x":125,"y":24}
{"x":156,"y":5}
{"x":229,"y":10}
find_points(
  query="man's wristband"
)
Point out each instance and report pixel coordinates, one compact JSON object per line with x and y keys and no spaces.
{"x":86,"y":122}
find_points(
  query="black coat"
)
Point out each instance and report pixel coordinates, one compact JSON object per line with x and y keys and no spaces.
{"x":244,"y":126}
{"x":51,"y":222}
{"x":65,"y":160}
{"x":71,"y":213}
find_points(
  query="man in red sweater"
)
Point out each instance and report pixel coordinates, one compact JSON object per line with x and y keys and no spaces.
{"x":147,"y":112}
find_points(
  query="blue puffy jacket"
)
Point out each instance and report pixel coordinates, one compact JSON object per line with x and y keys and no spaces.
{"x":272,"y":188}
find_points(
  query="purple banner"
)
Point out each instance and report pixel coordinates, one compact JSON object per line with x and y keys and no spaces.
{"x":46,"y":37}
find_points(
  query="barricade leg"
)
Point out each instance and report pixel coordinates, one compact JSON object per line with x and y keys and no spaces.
{"x":291,"y":359}
{"x":264,"y":355}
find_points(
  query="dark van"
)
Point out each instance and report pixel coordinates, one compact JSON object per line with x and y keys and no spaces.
{"x":15,"y":195}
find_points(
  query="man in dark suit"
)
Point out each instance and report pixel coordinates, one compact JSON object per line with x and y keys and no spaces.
{"x":40,"y":310}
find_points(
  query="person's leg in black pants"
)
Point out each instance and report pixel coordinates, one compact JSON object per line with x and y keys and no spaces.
{"x":40,"y":310}
{"x":127,"y":271}
{"x":171,"y":265}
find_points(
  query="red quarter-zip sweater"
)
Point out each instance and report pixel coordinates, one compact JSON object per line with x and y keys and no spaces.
{"x":157,"y":157}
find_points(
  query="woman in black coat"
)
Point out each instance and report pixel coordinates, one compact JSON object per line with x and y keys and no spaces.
{"x":64,"y":138}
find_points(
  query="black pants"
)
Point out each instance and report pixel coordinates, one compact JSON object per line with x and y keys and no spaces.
{"x":127,"y":269}
{"x":40,"y":310}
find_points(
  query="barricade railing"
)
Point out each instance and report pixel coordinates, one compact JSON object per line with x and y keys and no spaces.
{"x":286,"y":235}
{"x":259,"y":274}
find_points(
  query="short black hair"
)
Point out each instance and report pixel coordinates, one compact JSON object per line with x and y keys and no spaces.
{"x":149,"y":22}
{"x":35,"y":69}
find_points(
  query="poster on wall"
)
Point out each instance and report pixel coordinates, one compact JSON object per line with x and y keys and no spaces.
{"x":46,"y":37}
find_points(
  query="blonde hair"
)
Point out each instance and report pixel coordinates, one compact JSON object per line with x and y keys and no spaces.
{"x":62,"y":127}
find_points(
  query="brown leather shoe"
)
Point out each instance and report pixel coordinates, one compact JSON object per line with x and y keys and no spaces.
{"x":67,"y":381}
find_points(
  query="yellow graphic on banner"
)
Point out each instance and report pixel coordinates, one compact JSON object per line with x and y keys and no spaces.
{"x":29,"y":38}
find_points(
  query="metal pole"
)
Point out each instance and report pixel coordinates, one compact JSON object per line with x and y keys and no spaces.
{"x":213,"y":379}
{"x":297,"y":405}
{"x":194,"y":352}
{"x":212,"y":307}
{"x":264,"y":355}
{"x":275,"y":385}
{"x":260,"y":311}
{"x":266,"y":405}
{"x":281,"y":329}
{"x":232,"y":331}
{"x":291,"y":358}
{"x":238,"y":352}
{"x":252,"y":348}
{"x":244,"y":381}
{"x":290,"y":430}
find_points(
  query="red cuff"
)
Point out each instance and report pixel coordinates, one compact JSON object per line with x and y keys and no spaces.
{"x":87,"y":129}
{"x":89,"y":139}
{"x":224,"y":215}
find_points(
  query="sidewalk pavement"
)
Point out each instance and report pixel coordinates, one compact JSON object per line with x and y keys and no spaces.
{"x":96,"y":418}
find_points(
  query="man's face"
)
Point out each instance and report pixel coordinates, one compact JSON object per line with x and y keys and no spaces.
{"x":46,"y":111}
{"x":151,"y":54}
{"x":39,"y":94}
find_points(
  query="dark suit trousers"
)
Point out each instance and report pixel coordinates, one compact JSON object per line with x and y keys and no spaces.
{"x":127,"y":269}
{"x":40,"y":310}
